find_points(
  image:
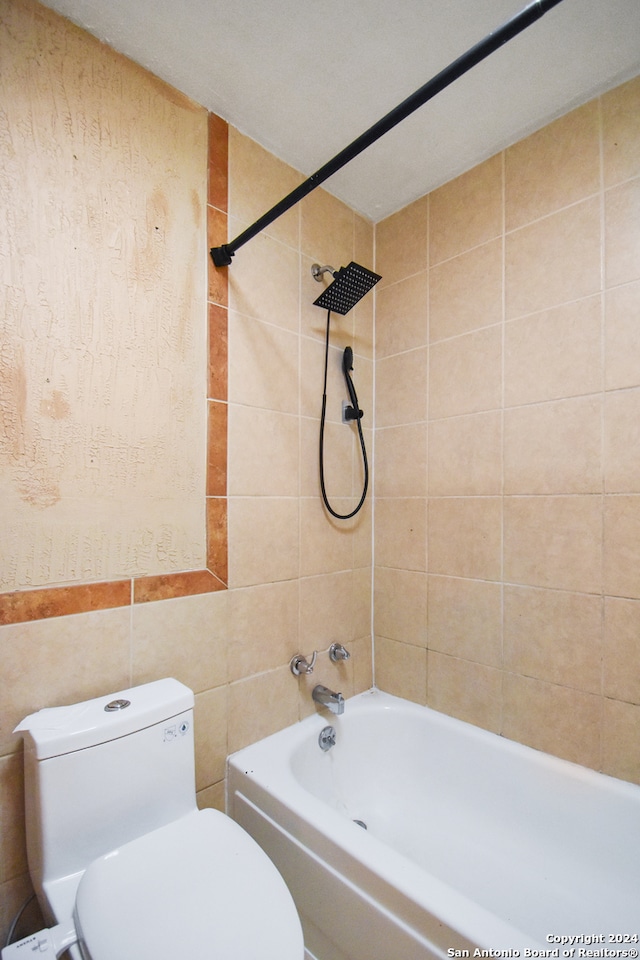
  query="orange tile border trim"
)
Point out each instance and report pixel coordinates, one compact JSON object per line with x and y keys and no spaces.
{"x":171,"y":585}
{"x":21,"y":606}
{"x":44,"y":602}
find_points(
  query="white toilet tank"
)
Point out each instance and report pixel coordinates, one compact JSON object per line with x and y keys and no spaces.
{"x":96,"y":778}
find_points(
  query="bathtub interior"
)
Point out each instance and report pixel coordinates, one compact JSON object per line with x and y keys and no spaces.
{"x":505,"y":825}
{"x":537,"y":843}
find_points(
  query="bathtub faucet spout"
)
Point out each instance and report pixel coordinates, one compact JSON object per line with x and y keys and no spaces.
{"x":327,"y":698}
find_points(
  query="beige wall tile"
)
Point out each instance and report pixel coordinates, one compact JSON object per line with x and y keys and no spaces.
{"x":466,"y":211}
{"x":261,"y":705}
{"x":401,"y":605}
{"x":554,"y":354}
{"x":401,"y":243}
{"x":554,"y":542}
{"x":554,"y":636}
{"x":553,"y":260}
{"x":558,"y":720}
{"x":327,"y":230}
{"x":554,"y":447}
{"x":401,"y":388}
{"x":622,"y":237}
{"x":469,"y":691}
{"x":465,"y":374}
{"x":363,"y":327}
{"x":338,"y":454}
{"x":270,"y":180}
{"x":401,"y":669}
{"x":363,"y":381}
{"x":361,"y":600}
{"x":213,"y":796}
{"x":363,"y":240}
{"x":263,"y":540}
{"x":13,"y":895}
{"x":185,"y":638}
{"x":465,"y":537}
{"x":401,"y":315}
{"x":554,"y":167}
{"x":621,"y":132}
{"x":465,"y":619}
{"x":621,"y":649}
{"x":401,"y":461}
{"x":263,"y":453}
{"x":401,"y":533}
{"x":327,"y":610}
{"x":263,"y":365}
{"x":49,"y":663}
{"x":363,"y":535}
{"x":465,"y":455}
{"x":263,"y":627}
{"x":363,"y":312}
{"x":326,"y":544}
{"x":622,"y":344}
{"x":620,"y":734}
{"x":210,"y":718}
{"x":362,"y":657}
{"x":622,"y":442}
{"x":622,"y":546}
{"x":13,"y":861}
{"x":264,"y":282}
{"x":465,"y":293}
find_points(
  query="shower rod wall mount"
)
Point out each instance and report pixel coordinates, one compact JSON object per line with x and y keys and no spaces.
{"x":534,"y":11}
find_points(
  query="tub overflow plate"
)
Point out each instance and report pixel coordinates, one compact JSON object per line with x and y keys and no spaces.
{"x":327,"y":738}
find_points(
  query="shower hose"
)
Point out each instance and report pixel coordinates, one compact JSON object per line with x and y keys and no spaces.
{"x":346,"y":366}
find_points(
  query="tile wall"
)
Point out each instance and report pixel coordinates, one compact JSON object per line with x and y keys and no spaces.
{"x":507,"y":548}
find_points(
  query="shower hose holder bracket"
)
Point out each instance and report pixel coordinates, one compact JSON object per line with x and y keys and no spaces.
{"x":350,"y":413}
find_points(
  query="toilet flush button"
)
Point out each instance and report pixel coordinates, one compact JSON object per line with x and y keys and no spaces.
{"x":114,"y":705}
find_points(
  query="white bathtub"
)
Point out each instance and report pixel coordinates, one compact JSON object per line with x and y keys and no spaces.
{"x":474,"y":843}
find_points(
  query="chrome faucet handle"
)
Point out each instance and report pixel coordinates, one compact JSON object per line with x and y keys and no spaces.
{"x":337,"y":652}
{"x":300,"y":664}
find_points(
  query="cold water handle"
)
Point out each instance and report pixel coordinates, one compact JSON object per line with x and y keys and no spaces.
{"x":337,"y":652}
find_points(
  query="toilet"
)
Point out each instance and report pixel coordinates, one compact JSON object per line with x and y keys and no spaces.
{"x":124,"y":864}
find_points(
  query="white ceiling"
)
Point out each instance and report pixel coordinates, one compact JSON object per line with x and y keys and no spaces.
{"x":306,"y":77}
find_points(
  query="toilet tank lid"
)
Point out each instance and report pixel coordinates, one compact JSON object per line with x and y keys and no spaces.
{"x":58,"y":730}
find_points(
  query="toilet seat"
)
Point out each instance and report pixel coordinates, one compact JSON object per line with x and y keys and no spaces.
{"x":199,"y":887}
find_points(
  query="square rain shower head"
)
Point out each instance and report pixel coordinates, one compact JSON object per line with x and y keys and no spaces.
{"x":349,"y":286}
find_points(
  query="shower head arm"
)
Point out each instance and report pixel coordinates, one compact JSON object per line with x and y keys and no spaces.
{"x":317,"y":271}
{"x":534,"y":11}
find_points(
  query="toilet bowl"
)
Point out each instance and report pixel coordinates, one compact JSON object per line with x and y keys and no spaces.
{"x":124,"y":864}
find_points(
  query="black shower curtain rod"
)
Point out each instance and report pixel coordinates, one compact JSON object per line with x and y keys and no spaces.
{"x":534,"y":11}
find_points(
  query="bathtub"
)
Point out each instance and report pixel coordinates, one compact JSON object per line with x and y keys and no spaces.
{"x":474,"y":845}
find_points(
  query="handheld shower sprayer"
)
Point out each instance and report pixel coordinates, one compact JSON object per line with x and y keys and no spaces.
{"x":353,"y":412}
{"x":349,"y":285}
{"x":347,"y":360}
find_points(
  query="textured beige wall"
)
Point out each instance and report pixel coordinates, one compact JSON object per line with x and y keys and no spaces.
{"x":507,"y":543}
{"x":103,"y":322}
